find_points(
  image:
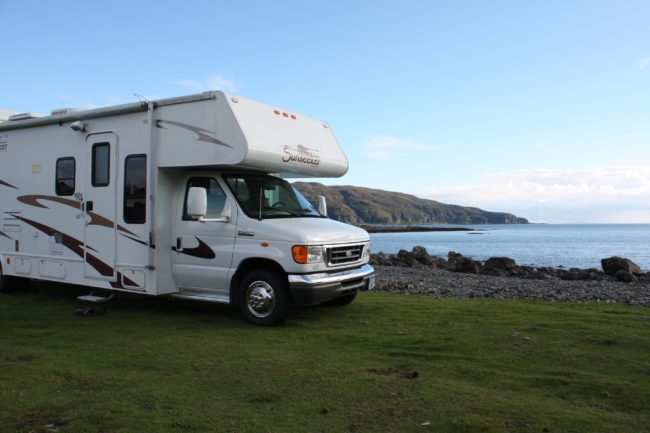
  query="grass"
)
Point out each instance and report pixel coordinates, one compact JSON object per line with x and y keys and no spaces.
{"x":386,"y":363}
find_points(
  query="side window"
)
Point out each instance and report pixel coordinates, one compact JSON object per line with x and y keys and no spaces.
{"x":101,"y":164}
{"x":65,"y":176}
{"x":135,"y":189}
{"x":216,"y":197}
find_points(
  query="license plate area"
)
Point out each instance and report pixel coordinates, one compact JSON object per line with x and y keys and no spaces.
{"x":371,"y":283}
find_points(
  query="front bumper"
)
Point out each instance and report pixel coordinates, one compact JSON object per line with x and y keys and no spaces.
{"x":309,"y":289}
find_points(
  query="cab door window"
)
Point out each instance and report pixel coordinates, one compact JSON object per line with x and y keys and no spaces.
{"x":216,"y":197}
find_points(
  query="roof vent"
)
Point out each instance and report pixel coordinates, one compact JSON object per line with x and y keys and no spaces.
{"x":61,"y":111}
{"x":5,"y":114}
{"x":25,"y":116}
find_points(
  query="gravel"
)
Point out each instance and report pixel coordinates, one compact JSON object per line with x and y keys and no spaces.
{"x":437,"y":282}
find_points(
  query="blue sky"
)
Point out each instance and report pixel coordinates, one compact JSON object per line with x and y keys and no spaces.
{"x":540,"y":108}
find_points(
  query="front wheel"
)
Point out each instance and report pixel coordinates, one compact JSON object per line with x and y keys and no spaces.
{"x":264,"y":298}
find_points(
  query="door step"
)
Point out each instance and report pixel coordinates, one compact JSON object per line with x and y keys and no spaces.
{"x":95,"y":298}
{"x":202,"y":296}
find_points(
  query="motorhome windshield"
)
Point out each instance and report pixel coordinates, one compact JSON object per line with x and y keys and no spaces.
{"x":262,"y":196}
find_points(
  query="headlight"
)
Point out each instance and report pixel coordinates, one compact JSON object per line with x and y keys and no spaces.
{"x":304,"y":254}
{"x":366,"y":250}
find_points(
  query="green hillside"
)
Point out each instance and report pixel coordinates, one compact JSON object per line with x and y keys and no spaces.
{"x":374,"y":206}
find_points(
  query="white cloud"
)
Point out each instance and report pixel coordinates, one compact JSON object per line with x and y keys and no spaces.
{"x":386,"y":147}
{"x":213,"y":82}
{"x":76,"y":102}
{"x":5,"y":113}
{"x":643,"y":63}
{"x":608,"y":194}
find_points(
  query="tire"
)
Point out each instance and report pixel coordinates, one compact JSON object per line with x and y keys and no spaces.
{"x":264,"y":298}
{"x":341,"y":301}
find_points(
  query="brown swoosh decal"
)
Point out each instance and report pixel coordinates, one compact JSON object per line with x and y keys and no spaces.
{"x":146,"y":244}
{"x":2,"y":182}
{"x":5,"y":235}
{"x":95,"y":219}
{"x":203,"y":251}
{"x":76,"y":246}
{"x":32,"y":200}
{"x":202,"y":134}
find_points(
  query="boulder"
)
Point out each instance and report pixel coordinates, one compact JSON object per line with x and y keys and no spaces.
{"x":504,"y":264}
{"x":420,"y":254}
{"x":625,"y":276}
{"x":459,"y":263}
{"x":614,"y":264}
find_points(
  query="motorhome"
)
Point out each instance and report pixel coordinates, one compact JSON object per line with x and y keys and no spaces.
{"x":184,"y":197}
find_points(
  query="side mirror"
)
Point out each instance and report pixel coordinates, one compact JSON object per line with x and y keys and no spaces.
{"x":322,"y":205}
{"x":197,"y":202}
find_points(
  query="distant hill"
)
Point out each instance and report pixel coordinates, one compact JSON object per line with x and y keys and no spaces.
{"x":374,"y":206}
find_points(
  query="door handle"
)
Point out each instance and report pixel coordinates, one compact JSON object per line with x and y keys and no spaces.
{"x":179,"y":244}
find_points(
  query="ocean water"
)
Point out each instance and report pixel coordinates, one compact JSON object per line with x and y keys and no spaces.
{"x":566,"y":245}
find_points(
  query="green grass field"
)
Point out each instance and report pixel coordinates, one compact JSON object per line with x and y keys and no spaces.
{"x":386,"y":363}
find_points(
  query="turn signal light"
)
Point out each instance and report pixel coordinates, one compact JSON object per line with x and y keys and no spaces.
{"x":303,"y":254}
{"x":300,"y":254}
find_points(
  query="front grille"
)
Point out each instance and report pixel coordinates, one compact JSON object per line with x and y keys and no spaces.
{"x":344,"y":254}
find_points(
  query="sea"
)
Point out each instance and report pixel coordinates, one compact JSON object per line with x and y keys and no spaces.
{"x":553,"y":245}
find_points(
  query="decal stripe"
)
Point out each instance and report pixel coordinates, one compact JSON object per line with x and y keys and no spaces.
{"x":203,"y":251}
{"x":5,"y":235}
{"x":2,"y":182}
{"x":146,"y":244}
{"x":202,"y":134}
{"x":95,"y":219}
{"x":76,"y":246}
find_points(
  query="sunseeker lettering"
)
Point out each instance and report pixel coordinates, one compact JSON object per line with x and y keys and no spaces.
{"x":301,"y":154}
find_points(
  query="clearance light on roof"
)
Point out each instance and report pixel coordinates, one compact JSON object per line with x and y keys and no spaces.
{"x":284,"y":114}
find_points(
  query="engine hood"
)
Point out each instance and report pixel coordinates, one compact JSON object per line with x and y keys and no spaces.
{"x":308,"y":231}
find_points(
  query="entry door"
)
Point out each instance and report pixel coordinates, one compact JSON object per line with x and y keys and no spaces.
{"x":100,"y":233}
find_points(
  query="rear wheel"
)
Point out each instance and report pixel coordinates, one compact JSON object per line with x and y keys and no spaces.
{"x":341,"y":301}
{"x":264,"y":298}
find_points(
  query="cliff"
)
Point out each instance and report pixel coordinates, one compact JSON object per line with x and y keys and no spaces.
{"x":374,"y":206}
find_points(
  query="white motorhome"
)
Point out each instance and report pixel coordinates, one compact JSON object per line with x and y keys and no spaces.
{"x":182,"y":197}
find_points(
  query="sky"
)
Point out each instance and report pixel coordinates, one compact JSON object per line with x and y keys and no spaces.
{"x":538,"y":108}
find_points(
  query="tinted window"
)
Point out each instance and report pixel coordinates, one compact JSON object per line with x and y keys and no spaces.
{"x":135,"y":189}
{"x":216,"y":196}
{"x":101,"y":164}
{"x":65,"y":176}
{"x":262,"y":196}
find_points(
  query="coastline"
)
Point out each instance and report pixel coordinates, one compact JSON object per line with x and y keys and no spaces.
{"x":408,"y":229}
{"x":443,"y":283}
{"x":416,"y":272}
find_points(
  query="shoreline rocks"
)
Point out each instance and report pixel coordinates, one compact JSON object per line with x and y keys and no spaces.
{"x":614,"y":268}
{"x":500,"y":277}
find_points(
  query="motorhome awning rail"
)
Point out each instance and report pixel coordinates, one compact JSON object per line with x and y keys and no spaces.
{"x":102,"y":112}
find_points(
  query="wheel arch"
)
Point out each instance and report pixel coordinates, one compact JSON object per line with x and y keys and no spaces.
{"x":247,"y":266}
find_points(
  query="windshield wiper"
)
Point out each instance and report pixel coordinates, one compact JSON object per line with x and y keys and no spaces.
{"x":281,"y":209}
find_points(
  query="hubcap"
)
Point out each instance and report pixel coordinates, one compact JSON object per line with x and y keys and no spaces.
{"x":260,"y":299}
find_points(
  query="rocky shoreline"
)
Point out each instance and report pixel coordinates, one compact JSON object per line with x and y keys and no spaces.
{"x":410,"y":229}
{"x":416,"y":272}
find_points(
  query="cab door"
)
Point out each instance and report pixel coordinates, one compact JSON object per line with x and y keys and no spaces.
{"x":202,"y":251}
{"x":100,"y":232}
